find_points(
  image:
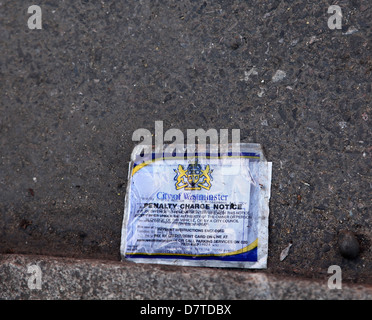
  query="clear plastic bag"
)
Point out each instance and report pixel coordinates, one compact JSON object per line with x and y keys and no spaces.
{"x":210,"y":209}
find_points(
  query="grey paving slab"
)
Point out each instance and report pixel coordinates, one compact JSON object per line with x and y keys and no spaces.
{"x":63,"y":278}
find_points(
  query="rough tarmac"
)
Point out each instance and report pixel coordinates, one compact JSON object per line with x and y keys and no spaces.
{"x":73,"y":93}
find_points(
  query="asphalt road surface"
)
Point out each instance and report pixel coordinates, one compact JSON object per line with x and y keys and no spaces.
{"x":73,"y":93}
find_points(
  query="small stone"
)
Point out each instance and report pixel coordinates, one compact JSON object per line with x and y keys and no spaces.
{"x":348,"y":244}
{"x":278,"y":76}
{"x":326,"y":248}
{"x":249,"y":73}
{"x":342,"y":124}
{"x":349,"y":31}
{"x":285,"y":252}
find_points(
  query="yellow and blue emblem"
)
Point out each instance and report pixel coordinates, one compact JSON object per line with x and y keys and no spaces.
{"x":194,"y":177}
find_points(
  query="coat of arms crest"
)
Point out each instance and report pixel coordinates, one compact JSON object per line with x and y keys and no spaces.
{"x":194,"y":177}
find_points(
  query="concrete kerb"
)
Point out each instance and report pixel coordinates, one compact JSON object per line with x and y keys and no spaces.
{"x":65,"y":278}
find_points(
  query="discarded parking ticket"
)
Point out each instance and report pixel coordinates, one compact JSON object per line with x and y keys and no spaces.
{"x":209,"y":211}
